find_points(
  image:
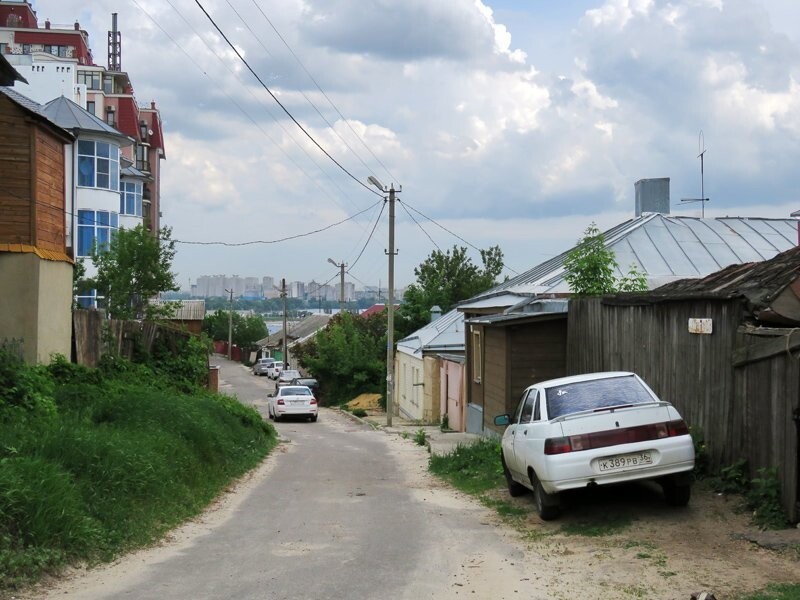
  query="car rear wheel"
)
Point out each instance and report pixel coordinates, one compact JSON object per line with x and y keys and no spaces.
{"x":514,"y":489}
{"x":547,"y":505}
{"x":314,"y":419}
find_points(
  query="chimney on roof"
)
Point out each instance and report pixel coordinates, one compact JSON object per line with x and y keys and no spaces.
{"x":47,"y":24}
{"x":652,"y":195}
{"x":436,"y":312}
{"x":77,"y":26}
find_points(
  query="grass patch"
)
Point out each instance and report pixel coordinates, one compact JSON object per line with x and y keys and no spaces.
{"x":94,"y":462}
{"x":504,"y":508}
{"x":776,"y":591}
{"x":598,"y":526}
{"x":473,"y":468}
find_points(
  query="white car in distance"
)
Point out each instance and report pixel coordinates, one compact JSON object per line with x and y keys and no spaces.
{"x":292,"y":400}
{"x":275,"y":369}
{"x":595,"y":429}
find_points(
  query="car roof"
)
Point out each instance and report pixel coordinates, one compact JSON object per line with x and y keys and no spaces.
{"x":581,"y":378}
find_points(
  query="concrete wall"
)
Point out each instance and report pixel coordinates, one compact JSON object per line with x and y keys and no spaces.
{"x":408,"y":396}
{"x":36,"y":297}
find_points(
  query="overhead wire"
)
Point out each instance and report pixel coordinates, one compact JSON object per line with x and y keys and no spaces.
{"x":309,"y":100}
{"x":455,"y":235}
{"x":246,"y":114}
{"x":74,"y":214}
{"x":311,"y":77}
{"x":285,"y":110}
{"x":368,"y":239}
{"x":420,"y":226}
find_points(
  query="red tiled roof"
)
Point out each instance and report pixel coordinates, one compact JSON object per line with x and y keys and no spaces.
{"x":127,"y":117}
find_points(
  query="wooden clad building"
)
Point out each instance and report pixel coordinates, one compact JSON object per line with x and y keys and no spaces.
{"x":35,"y":268}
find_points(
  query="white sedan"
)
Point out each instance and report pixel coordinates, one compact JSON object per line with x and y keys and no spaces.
{"x":594,"y":429}
{"x":292,"y":400}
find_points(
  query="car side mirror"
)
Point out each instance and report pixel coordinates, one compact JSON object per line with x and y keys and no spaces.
{"x":501,"y":420}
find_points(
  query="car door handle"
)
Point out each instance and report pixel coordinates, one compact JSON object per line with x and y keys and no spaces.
{"x":525,"y":432}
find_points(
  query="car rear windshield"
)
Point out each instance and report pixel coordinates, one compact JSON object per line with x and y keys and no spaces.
{"x":598,"y":393}
{"x":295,"y":391}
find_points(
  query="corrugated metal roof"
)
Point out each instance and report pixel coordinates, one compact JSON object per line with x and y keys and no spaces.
{"x":761,"y":282}
{"x":445,"y":332}
{"x":65,"y":113}
{"x":188,"y":310}
{"x":667,"y":248}
{"x":22,"y":100}
{"x":301,"y":329}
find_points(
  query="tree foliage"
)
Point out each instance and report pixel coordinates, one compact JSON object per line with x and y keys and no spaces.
{"x":134,"y":268}
{"x":446,"y":278}
{"x":590,"y":268}
{"x":246,"y":331}
{"x":348,"y":357}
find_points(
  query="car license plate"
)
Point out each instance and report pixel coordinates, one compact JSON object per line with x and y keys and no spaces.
{"x":625,"y":461}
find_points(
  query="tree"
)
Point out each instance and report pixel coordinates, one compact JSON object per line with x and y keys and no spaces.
{"x":246,"y":331}
{"x":134,"y":267}
{"x":348,"y":357}
{"x":590,"y":268}
{"x":446,"y":278}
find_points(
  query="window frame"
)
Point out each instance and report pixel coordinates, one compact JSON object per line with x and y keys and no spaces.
{"x":124,"y":198}
{"x":99,"y":225}
{"x":477,"y":356}
{"x":103,"y":161}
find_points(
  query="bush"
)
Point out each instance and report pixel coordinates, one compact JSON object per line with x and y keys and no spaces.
{"x":764,"y":499}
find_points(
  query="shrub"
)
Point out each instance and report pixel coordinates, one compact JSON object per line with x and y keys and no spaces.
{"x":358,"y":412}
{"x":764,"y":499}
{"x":420,"y":437}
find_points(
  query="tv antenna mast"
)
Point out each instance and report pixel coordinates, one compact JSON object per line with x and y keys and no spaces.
{"x":701,"y":148}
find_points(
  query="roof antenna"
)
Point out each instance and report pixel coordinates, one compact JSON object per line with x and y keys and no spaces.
{"x":701,"y":148}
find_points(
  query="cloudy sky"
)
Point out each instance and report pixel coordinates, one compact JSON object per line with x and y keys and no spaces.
{"x":508,"y":122}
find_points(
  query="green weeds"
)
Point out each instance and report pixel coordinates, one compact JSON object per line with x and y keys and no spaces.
{"x":776,"y":591}
{"x":473,"y":468}
{"x":95,"y":462}
{"x":599,"y":526}
{"x":420,"y":437}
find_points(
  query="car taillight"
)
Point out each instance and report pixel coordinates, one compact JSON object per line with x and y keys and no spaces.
{"x":313,"y":401}
{"x":281,"y":402}
{"x":614,"y":437}
{"x":557,"y":445}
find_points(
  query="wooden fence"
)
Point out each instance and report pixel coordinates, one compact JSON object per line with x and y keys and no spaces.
{"x":745,"y":399}
{"x":94,"y":336}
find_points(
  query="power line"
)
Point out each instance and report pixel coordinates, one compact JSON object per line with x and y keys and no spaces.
{"x":338,"y":112}
{"x":274,"y":97}
{"x":455,"y":235}
{"x":420,"y":226}
{"x":369,"y":238}
{"x":311,"y":102}
{"x":246,"y":114}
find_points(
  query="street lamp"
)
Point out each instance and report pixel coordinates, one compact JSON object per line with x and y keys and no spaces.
{"x":390,"y":303}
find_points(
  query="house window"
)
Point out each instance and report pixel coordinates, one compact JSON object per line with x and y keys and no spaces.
{"x":26,"y":48}
{"x":111,"y":116}
{"x":57,"y":50}
{"x":142,"y":160}
{"x":130,"y":198}
{"x":108,"y":84}
{"x":3,"y":48}
{"x":90,"y":78}
{"x":95,"y":227}
{"x":91,"y":106}
{"x":477,"y":358}
{"x":86,"y":298}
{"x":98,"y":165}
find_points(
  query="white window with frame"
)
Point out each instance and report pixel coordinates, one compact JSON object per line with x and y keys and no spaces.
{"x":95,"y":227}
{"x":130,"y":198}
{"x":98,"y":165}
{"x":477,"y":357}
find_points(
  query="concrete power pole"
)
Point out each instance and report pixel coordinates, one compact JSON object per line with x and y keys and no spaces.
{"x":230,"y":322}
{"x":285,"y":346}
{"x":390,"y":303}
{"x":341,"y":267}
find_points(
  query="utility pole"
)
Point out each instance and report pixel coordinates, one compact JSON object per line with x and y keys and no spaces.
{"x":230,"y":322}
{"x":390,"y":303}
{"x":285,"y":346}
{"x":341,"y":267}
